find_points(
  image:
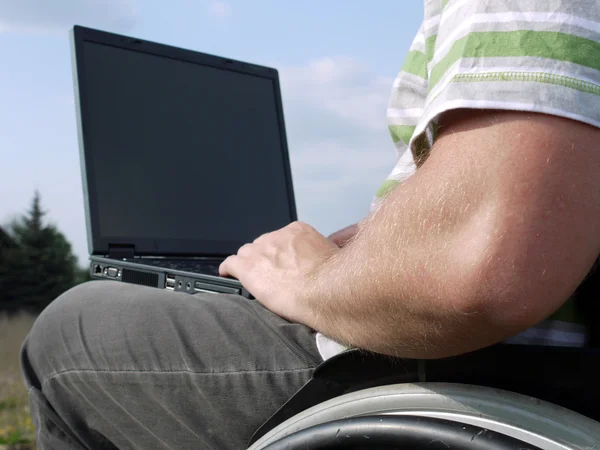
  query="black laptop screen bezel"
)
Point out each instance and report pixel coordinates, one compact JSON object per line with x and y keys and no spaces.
{"x":100,"y":245}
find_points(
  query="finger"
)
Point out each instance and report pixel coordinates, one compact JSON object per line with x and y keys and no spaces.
{"x":226,"y":267}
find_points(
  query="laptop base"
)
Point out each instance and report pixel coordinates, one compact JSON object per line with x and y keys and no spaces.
{"x":159,"y":277}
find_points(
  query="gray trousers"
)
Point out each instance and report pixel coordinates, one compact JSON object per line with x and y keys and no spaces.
{"x":110,"y":365}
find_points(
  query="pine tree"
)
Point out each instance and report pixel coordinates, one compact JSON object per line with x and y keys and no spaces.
{"x":39,"y":267}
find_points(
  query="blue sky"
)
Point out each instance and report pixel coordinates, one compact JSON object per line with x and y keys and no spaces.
{"x":337,"y":60}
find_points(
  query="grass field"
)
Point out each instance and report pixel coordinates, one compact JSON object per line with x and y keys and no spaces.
{"x":16,"y":429}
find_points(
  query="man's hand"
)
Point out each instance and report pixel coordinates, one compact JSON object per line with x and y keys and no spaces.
{"x":341,"y":237}
{"x":277,"y":267}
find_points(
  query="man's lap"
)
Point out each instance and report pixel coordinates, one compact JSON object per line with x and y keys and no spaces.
{"x":147,"y":368}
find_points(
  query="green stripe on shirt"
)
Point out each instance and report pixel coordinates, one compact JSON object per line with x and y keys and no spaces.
{"x":401,"y":133}
{"x":430,"y":46}
{"x":416,"y":63}
{"x":543,"y":44}
{"x":386,"y":187}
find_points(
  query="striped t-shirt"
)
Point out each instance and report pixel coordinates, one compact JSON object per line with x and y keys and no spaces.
{"x":525,"y":55}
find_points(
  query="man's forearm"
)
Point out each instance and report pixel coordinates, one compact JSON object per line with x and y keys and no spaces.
{"x":451,"y":261}
{"x":397,"y":287}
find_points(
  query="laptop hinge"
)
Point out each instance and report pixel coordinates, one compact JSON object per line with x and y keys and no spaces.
{"x":121,"y":251}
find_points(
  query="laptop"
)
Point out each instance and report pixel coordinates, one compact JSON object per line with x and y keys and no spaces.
{"x":184,"y":159}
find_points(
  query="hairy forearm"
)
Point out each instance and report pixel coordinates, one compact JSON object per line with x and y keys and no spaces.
{"x":398,"y":287}
{"x":462,"y":254}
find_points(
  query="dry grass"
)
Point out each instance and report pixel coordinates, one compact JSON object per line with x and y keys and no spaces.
{"x":16,"y":429}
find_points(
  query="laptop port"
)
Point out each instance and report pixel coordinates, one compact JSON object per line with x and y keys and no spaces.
{"x":215,"y":288}
{"x":97,"y":269}
{"x":188,"y":286}
{"x":170,"y":282}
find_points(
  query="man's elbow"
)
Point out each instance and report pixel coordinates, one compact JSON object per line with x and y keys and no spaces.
{"x":509,"y":294}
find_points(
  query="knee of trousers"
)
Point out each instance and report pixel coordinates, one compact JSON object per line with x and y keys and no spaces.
{"x":57,"y":340}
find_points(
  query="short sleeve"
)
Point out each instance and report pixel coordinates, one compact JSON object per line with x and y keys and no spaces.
{"x":523,"y":55}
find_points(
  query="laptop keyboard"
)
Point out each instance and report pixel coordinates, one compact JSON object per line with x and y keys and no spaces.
{"x":205,"y":266}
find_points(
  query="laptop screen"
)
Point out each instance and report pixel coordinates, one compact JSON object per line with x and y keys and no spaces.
{"x":181,"y":157}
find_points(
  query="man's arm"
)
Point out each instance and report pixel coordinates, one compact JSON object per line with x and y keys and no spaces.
{"x":489,"y":237}
{"x":343,"y":236}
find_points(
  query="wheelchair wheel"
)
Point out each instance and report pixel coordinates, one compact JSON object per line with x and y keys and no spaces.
{"x":393,"y":432}
{"x":413,"y":411}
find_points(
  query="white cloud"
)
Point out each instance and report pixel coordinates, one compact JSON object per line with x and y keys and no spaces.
{"x":342,"y":86}
{"x":220,"y":9}
{"x":339,"y":145}
{"x":58,"y":16}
